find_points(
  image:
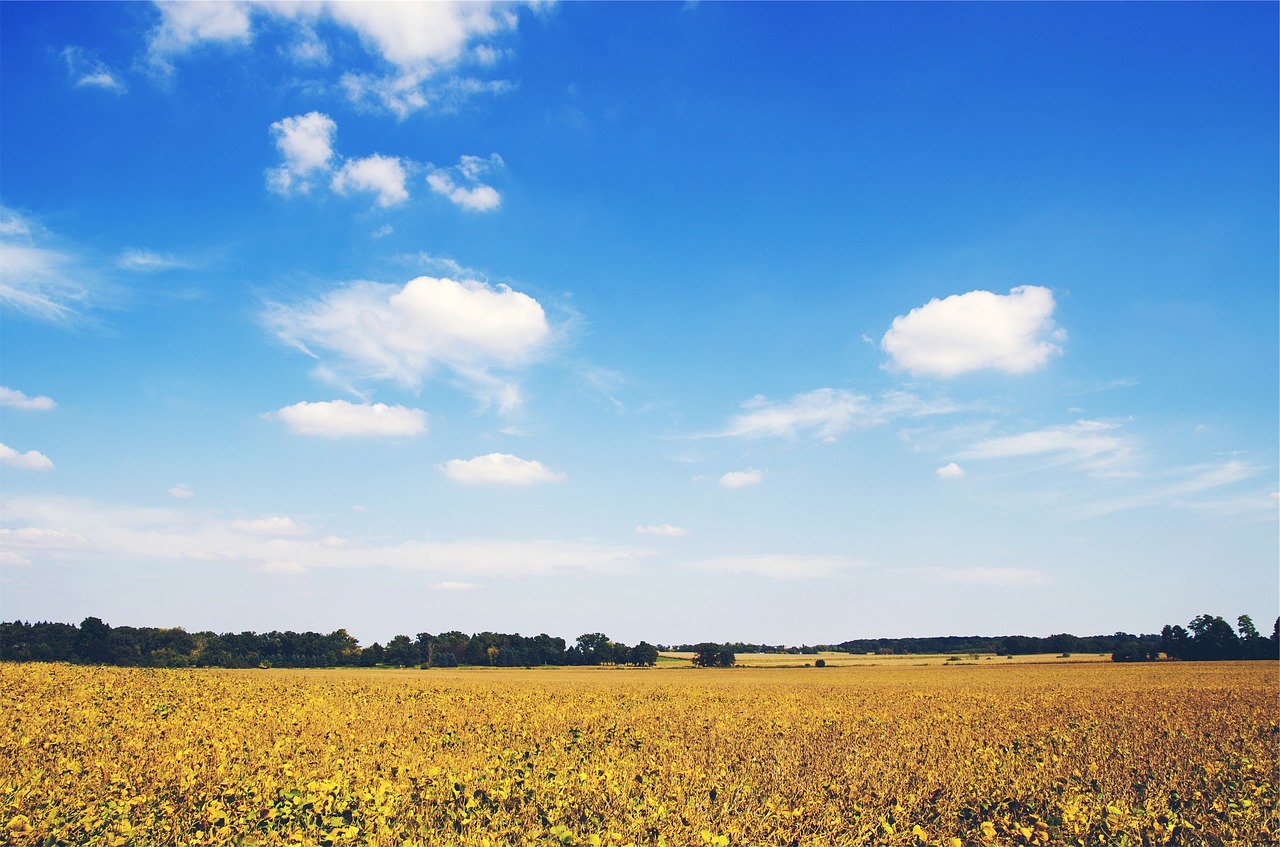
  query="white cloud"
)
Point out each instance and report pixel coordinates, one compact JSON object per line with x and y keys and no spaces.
{"x":89,"y":72}
{"x":10,"y":559}
{"x":181,"y":491}
{"x":146,"y":261}
{"x":421,"y":44}
{"x":1091,"y":442}
{"x":32,"y":460}
{"x":1013,"y":333}
{"x":664,"y":529}
{"x":1189,"y":487}
{"x":950,"y":471}
{"x":17,"y":400}
{"x":340,"y":419}
{"x":283,"y":567}
{"x":474,"y":195}
{"x":35,"y":279}
{"x":306,"y":143}
{"x":90,"y":530}
{"x":781,"y":566}
{"x":416,"y":36}
{"x":403,"y":334}
{"x":186,"y":24}
{"x":382,"y":175}
{"x":454,"y":585}
{"x":742,"y":479}
{"x":825,"y":412}
{"x":276,"y":526}
{"x":499,"y":469}
{"x":36,"y":539}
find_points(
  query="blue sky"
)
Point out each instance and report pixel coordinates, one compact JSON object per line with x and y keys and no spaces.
{"x":789,"y":323}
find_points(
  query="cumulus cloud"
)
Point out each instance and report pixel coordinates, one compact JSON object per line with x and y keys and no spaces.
{"x":306,"y":143}
{"x":32,"y":460}
{"x":382,"y":175}
{"x":402,"y":334}
{"x":950,"y":471}
{"x":420,"y":45}
{"x":781,"y":566}
{"x":499,"y":469}
{"x":181,"y":491}
{"x":276,"y":526}
{"x":17,"y":400}
{"x":664,"y":529}
{"x":35,"y":278}
{"x":184,"y":25}
{"x":340,"y":419}
{"x":462,"y":186}
{"x":980,"y":330}
{"x":742,"y":479}
{"x":89,"y":72}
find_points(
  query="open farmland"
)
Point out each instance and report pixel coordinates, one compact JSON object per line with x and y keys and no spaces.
{"x":985,"y":754}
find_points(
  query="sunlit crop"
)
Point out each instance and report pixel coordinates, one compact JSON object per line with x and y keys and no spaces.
{"x":975,"y":755}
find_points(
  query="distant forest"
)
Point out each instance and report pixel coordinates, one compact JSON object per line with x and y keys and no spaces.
{"x":1207,"y":637}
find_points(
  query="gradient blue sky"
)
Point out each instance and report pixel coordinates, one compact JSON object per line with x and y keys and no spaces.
{"x":789,"y":323}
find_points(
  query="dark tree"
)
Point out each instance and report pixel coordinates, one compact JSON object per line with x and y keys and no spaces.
{"x":644,"y":654}
{"x":1213,"y":639}
{"x":713,"y":656}
{"x":93,"y":644}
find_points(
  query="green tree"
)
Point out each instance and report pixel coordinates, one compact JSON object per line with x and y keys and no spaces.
{"x":594,"y":648}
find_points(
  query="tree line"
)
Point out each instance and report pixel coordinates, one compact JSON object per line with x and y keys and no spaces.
{"x":95,"y":642}
{"x":1206,"y":638}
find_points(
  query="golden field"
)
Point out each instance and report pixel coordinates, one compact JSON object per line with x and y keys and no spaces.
{"x":980,"y":754}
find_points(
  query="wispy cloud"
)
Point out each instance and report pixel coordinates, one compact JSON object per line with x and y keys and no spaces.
{"x":87,"y":71}
{"x":826,"y":413}
{"x":147,"y":261}
{"x":462,"y":186}
{"x":667,"y":530}
{"x":1188,"y":487}
{"x":36,"y":278}
{"x":1090,"y":443}
{"x":61,"y":528}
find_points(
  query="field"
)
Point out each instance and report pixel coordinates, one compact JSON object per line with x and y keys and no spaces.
{"x":981,"y":753}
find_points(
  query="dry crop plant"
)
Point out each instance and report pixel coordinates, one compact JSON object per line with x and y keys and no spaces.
{"x":1085,"y":755}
